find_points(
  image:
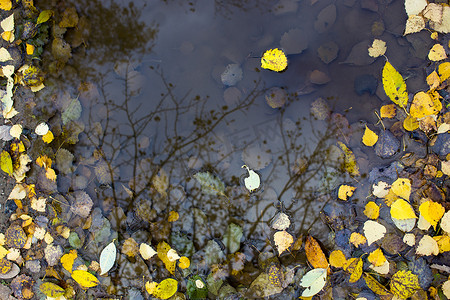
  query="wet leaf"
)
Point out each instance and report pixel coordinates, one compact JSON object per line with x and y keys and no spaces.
{"x":71,"y":112}
{"x":50,"y":289}
{"x":84,"y":278}
{"x":444,"y":71}
{"x":432,"y":212}
{"x":4,"y":133}
{"x":161,"y":182}
{"x":427,"y":246}
{"x":162,"y":250}
{"x":5,"y":4}
{"x":6,"y":163}
{"x":68,"y":259}
{"x":443,"y":242}
{"x":16,"y":131}
{"x":166,"y":288}
{"x":381,"y":189}
{"x":437,"y":53}
{"x":354,"y":266}
{"x":414,"y":24}
{"x":146,"y":251}
{"x":4,"y":55}
{"x":314,"y":253}
{"x":404,"y":284}
{"x":274,"y":59}
{"x":314,"y":281}
{"x":69,"y":18}
{"x":402,"y":188}
{"x":409,"y":239}
{"x":372,"y":210}
{"x":283,"y":240}
{"x":404,"y":225}
{"x":48,"y":137}
{"x":337,"y":259}
{"x":375,"y":286}
{"x":376,"y":257}
{"x":252,"y":182}
{"x":44,"y":16}
{"x":7,"y":24}
{"x":232,"y":237}
{"x":369,"y":138}
{"x":394,"y":85}
{"x":410,"y":123}
{"x":446,"y":289}
{"x":422,"y":105}
{"x":388,"y":111}
{"x":345,"y":192}
{"x":414,"y":7}
{"x":41,"y":129}
{"x":402,"y":210}
{"x":357,"y":239}
{"x":184,"y":262}
{"x":350,"y":164}
{"x":281,"y":222}
{"x":433,"y":80}
{"x":378,"y":48}
{"x":150,"y":287}
{"x":373,"y":231}
{"x":445,"y":222}
{"x":108,"y":258}
{"x":211,"y":185}
{"x":173,"y":216}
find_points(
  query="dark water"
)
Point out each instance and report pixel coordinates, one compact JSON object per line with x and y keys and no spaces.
{"x":149,"y":81}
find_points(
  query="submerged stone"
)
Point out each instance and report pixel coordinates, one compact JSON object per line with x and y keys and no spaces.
{"x":365,"y":84}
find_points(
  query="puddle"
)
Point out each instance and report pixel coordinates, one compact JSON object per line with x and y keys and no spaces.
{"x":156,"y":112}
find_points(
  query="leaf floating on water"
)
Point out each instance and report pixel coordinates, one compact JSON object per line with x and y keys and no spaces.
{"x":350,"y":164}
{"x":274,"y":59}
{"x":85,"y":279}
{"x":345,"y":192}
{"x":283,"y":240}
{"x":252,"y":182}
{"x":437,"y":53}
{"x":44,"y":16}
{"x":314,"y":253}
{"x":394,"y":85}
{"x":71,"y":112}
{"x":369,"y":138}
{"x":314,"y":281}
{"x":378,"y":48}
{"x":281,"y":222}
{"x":107,"y":258}
{"x":211,"y":185}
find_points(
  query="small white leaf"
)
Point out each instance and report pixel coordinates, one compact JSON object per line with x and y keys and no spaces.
{"x":4,"y":55}
{"x":253,"y":181}
{"x":281,"y":222}
{"x":16,"y":131}
{"x":107,"y":258}
{"x":146,"y":251}
{"x":172,"y":255}
{"x":41,"y":129}
{"x":373,"y":231}
{"x":314,"y":281}
{"x":18,"y":192}
{"x":8,"y":23}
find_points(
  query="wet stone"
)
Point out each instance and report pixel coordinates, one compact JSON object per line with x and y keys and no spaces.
{"x":442,"y":144}
{"x":33,"y":265}
{"x":387,"y":144}
{"x":393,"y":244}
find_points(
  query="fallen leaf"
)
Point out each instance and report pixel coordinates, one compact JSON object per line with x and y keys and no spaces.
{"x":369,"y":138}
{"x":211,"y":185}
{"x":162,"y":248}
{"x":444,"y":26}
{"x":380,"y":189}
{"x":383,"y":269}
{"x":274,"y":59}
{"x":345,"y":192}
{"x":41,"y":129}
{"x":414,"y":24}
{"x":422,"y":105}
{"x":354,"y":266}
{"x":444,"y":71}
{"x":68,"y":259}
{"x":314,"y":253}
{"x":314,"y":281}
{"x":52,"y":290}
{"x":172,"y":255}
{"x":410,"y":123}
{"x":445,"y":222}
{"x":375,"y":286}
{"x":281,"y":222}
{"x":16,"y":131}
{"x":5,"y":4}
{"x":252,"y":182}
{"x":373,"y":231}
{"x":433,"y":80}
{"x":394,"y":85}
{"x":437,"y":53}
{"x":184,"y":262}
{"x":8,"y":23}
{"x":376,"y":258}
{"x":150,"y":287}
{"x":427,"y":246}
{"x":166,"y":288}
{"x":4,"y":55}
{"x":173,"y":216}
{"x":378,"y":48}
{"x":404,"y":284}
{"x":84,"y":278}
{"x":337,"y":259}
{"x":402,"y":188}
{"x":443,"y":242}
{"x":357,"y":239}
{"x":44,"y":16}
{"x":146,"y":251}
{"x":350,"y":164}
{"x":18,"y":192}
{"x":388,"y":111}
{"x":108,"y":258}
{"x":409,"y":239}
{"x":283,"y":240}
{"x":446,"y":289}
{"x":161,"y":182}
{"x":432,"y":212}
{"x":48,"y":137}
{"x":402,"y":210}
{"x":372,"y":210}
{"x":414,"y":7}
{"x":433,"y":12}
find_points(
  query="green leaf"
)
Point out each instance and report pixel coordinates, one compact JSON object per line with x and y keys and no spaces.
{"x":44,"y":16}
{"x":6,"y":163}
{"x":166,"y":288}
{"x":394,"y":85}
{"x":72,"y":112}
{"x":211,"y":185}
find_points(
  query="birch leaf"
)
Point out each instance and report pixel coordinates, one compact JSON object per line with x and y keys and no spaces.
{"x":404,"y":284}
{"x":373,"y":231}
{"x":107,"y":258}
{"x":166,"y":288}
{"x":252,"y":182}
{"x":314,"y":253}
{"x":345,"y":192}
{"x":394,"y":85}
{"x":283,"y":240}
{"x":427,"y":246}
{"x":211,"y":185}
{"x":369,"y":138}
{"x":437,"y":53}
{"x":402,"y":188}
{"x":432,"y":212}
{"x":402,"y":210}
{"x":378,"y":48}
{"x":314,"y":281}
{"x":274,"y":59}
{"x":85,"y":279}
{"x":5,"y":4}
{"x":372,"y":210}
{"x":6,"y":163}
{"x":146,"y":251}
{"x":8,"y":23}
{"x":52,"y":290}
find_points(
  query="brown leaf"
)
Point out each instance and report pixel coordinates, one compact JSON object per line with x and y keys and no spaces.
{"x":314,"y":253}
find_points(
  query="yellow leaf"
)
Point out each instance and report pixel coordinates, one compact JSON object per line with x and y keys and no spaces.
{"x":85,"y":279}
{"x":372,"y":210}
{"x":337,"y":259}
{"x":350,"y":164}
{"x":433,"y":80}
{"x":50,"y":289}
{"x":410,"y":123}
{"x":184,"y":262}
{"x":422,"y":105}
{"x":68,"y":259}
{"x":394,"y":85}
{"x":345,"y":191}
{"x":355,"y":267}
{"x":162,"y":248}
{"x":166,"y":288}
{"x":357,"y":239}
{"x":6,"y":163}
{"x":173,"y":216}
{"x":443,"y":242}
{"x":283,"y":240}
{"x":369,"y":138}
{"x":44,"y":16}
{"x":48,"y":137}
{"x":44,"y":161}
{"x":50,"y":174}
{"x":375,"y":286}
{"x":404,"y":284}
{"x":444,"y":71}
{"x":150,"y":287}
{"x":434,"y":35}
{"x":376,"y":258}
{"x":402,"y":210}
{"x":274,"y":59}
{"x":314,"y":253}
{"x":388,"y":111}
{"x":402,"y":188}
{"x":432,"y":212}
{"x":5,"y":4}
{"x":30,"y":49}
{"x":6,"y":35}
{"x":437,"y":53}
